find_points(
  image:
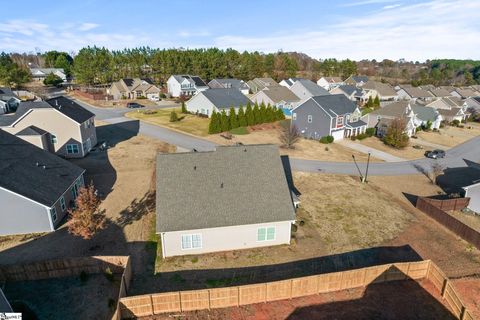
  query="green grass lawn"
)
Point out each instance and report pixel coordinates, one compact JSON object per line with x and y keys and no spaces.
{"x":188,"y":123}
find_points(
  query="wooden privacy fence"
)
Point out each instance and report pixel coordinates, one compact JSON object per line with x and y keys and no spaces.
{"x":448,"y":204}
{"x":147,"y":305}
{"x":432,"y":209}
{"x":70,"y":267}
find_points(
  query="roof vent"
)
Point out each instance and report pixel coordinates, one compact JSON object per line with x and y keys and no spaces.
{"x":56,"y":102}
{"x":194,"y":167}
{"x":245,"y":150}
{"x":44,"y":167}
{"x":221,"y":185}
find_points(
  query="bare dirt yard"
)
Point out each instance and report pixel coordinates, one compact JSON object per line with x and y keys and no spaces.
{"x":376,"y":301}
{"x":64,"y":298}
{"x":451,"y":136}
{"x":304,"y":149}
{"x":469,"y":290}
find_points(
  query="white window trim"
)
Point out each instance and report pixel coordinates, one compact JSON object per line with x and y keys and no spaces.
{"x":309,"y":118}
{"x":294,"y":116}
{"x":72,"y":145}
{"x":63,"y":205}
{"x":266,"y":233}
{"x":53,"y":214}
{"x":191,"y":241}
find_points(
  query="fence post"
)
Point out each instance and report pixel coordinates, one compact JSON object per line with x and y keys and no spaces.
{"x":463,"y":312}
{"x":238,"y":296}
{"x":209,"y":302}
{"x":408,"y":270}
{"x":291,"y":288}
{"x":444,"y":287}
{"x":151,"y":304}
{"x":266,"y":291}
{"x":364,"y":276}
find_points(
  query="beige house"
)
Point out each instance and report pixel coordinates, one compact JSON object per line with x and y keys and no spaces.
{"x":383,"y":91}
{"x":258,"y":84}
{"x":134,"y":89}
{"x":222,"y":209}
{"x":278,"y":96}
{"x":58,"y":125}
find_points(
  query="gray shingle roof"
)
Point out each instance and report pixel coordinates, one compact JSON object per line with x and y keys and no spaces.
{"x":334,"y":104}
{"x":19,"y":172}
{"x":313,"y":88}
{"x":235,"y":185}
{"x":225,"y":98}
{"x":279,"y":93}
{"x":425,"y":113}
{"x":4,"y":305}
{"x":358,"y":79}
{"x":231,"y":83}
{"x":348,"y":89}
{"x":23,"y":107}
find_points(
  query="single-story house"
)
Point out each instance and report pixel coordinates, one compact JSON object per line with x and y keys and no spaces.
{"x":464,"y":93}
{"x":288,"y":82}
{"x":424,"y":114}
{"x":439,"y":92}
{"x":383,"y":91}
{"x":208,"y":101}
{"x":464,"y":181}
{"x":236,"y":197}
{"x":185,"y":85}
{"x":452,"y":114}
{"x":328,"y":83}
{"x":258,"y":84}
{"x":305,"y":89}
{"x":357,"y":81}
{"x":8,"y":100}
{"x":329,"y":115}
{"x":39,"y":74}
{"x":36,"y":187}
{"x":408,"y":92}
{"x":351,"y":92}
{"x":278,"y":96}
{"x":381,"y":118}
{"x":134,"y":89}
{"x":59,"y":125}
{"x":447,"y":103}
{"x":229,"y":83}
{"x":473,"y":102}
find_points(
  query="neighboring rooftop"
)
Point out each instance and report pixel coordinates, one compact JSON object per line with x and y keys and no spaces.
{"x":195,"y":80}
{"x":384,"y":89}
{"x":225,"y":98}
{"x":425,"y":113}
{"x":349,"y":90}
{"x":416,"y":92}
{"x":231,"y":83}
{"x":31,"y":131}
{"x":312,"y":87}
{"x":280,"y":93}
{"x":234,"y":185}
{"x":32,"y":172}
{"x":4,"y":305}
{"x":395,"y":109}
{"x":333,"y":104}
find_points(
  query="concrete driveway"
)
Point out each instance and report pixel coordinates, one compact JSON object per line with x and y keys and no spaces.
{"x":469,"y":150}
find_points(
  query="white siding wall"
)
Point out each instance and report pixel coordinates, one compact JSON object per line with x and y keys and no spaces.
{"x":474,"y":193}
{"x":173,"y":87}
{"x":225,"y":238}
{"x":200,"y":104}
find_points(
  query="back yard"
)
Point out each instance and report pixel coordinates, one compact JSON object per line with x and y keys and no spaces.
{"x":188,"y":123}
{"x":451,"y":136}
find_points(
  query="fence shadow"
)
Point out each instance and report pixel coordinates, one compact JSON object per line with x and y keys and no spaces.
{"x":403,"y":299}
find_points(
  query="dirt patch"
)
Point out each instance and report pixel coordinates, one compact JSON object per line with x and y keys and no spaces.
{"x":66,"y":298}
{"x":377,"y":301}
{"x":469,"y":291}
{"x":304,"y":149}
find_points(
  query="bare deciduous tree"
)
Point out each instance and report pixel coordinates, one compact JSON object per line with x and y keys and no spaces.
{"x":86,"y":218}
{"x":435,"y":171}
{"x":289,"y":135}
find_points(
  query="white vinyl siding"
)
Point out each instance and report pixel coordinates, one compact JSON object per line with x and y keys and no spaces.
{"x":294,"y":116}
{"x":191,"y":241}
{"x":266,"y":234}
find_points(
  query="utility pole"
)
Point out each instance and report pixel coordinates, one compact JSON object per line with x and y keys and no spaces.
{"x":358,"y":168}
{"x":368,"y":163}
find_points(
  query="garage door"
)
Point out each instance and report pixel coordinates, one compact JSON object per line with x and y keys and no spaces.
{"x":338,"y":135}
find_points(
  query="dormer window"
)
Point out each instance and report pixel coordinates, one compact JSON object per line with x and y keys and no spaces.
{"x":339,"y":121}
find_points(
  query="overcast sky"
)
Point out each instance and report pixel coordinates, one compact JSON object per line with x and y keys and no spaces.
{"x":356,"y":29}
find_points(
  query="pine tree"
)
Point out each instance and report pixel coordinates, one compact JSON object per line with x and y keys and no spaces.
{"x":256,"y":114}
{"x":232,"y":118}
{"x":214,"y":125}
{"x":278,"y":114}
{"x":249,"y":115}
{"x":242,"y":119}
{"x":376,"y":102}
{"x":369,"y":103}
{"x":270,"y":117}
{"x":184,"y":108}
{"x":224,"y":124}
{"x":263,"y":113}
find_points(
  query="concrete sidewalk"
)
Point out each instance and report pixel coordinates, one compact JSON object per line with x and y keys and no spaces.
{"x":374,"y":152}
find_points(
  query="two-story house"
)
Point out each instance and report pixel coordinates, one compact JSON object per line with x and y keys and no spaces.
{"x":58,"y":125}
{"x":228,"y":83}
{"x":329,"y":115}
{"x":185,"y":85}
{"x":278,"y":96}
{"x":8,"y":100}
{"x":36,"y":187}
{"x":305,"y":89}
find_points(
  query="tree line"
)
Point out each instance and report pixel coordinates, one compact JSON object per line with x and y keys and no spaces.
{"x":258,"y":114}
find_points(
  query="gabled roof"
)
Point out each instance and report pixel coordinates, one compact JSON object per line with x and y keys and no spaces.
{"x":333,"y":79}
{"x":349,"y":90}
{"x":6,"y":94}
{"x":450,"y":112}
{"x":262,"y":83}
{"x":19,"y":172}
{"x":333,"y":104}
{"x":225,"y":98}
{"x":31,"y":131}
{"x":23,"y":108}
{"x":425,"y":113}
{"x":395,"y":109}
{"x":416,"y":92}
{"x":311,"y":87}
{"x":279,"y":93}
{"x":234,"y":185}
{"x":195,"y":80}
{"x":4,"y":304}
{"x":439,"y":92}
{"x":231,"y":83}
{"x":71,"y":109}
{"x":467,"y":92}
{"x":358,"y":79}
{"x":384,"y":89}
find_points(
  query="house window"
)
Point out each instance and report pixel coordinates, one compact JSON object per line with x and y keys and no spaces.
{"x":53,"y":214}
{"x":191,"y":241}
{"x":72,"y":148}
{"x":339,"y":122}
{"x":53,"y":138}
{"x":294,"y":116}
{"x":309,"y":118}
{"x":266,"y":234}
{"x":62,"y":203}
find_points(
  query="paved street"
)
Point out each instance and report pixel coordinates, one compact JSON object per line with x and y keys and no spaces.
{"x":469,"y":150}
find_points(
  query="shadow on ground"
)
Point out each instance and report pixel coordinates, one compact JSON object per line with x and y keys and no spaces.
{"x":390,"y":300}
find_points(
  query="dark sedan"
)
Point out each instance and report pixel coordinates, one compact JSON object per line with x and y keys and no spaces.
{"x":435,"y":154}
{"x":134,"y":105}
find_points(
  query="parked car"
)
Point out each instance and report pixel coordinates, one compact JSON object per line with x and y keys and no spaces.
{"x":134,"y":105}
{"x":435,"y":154}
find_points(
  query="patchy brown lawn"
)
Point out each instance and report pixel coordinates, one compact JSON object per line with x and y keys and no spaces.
{"x":304,"y":149}
{"x":451,"y":136}
{"x":407,"y":153}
